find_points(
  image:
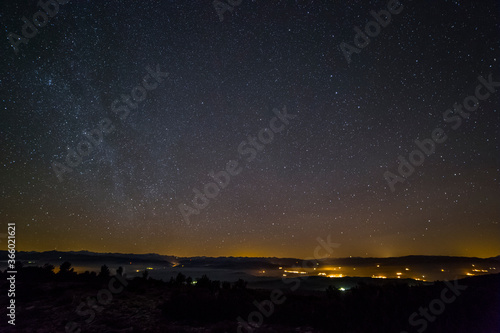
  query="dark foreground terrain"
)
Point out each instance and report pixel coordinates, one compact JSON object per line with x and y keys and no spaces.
{"x":89,"y":302}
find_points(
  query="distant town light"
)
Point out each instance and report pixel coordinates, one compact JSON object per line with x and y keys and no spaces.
{"x":335,"y":275}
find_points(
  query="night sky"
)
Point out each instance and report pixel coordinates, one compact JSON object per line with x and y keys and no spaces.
{"x":322,"y":174}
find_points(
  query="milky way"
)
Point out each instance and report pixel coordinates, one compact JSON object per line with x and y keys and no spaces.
{"x":91,"y":74}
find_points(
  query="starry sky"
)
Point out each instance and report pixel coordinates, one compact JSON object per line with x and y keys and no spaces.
{"x":323,"y":174}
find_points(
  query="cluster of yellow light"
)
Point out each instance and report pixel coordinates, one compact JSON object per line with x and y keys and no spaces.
{"x":262,"y":272}
{"x":379,"y":277}
{"x":399,"y":273}
{"x":335,"y":275}
{"x":322,"y":274}
{"x":480,"y":270}
{"x":294,"y":272}
{"x":407,"y":269}
{"x":419,"y":279}
{"x":470,"y":274}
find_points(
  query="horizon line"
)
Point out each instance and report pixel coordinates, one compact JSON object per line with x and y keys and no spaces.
{"x":265,"y":257}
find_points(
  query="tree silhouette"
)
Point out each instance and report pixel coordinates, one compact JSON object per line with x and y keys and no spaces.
{"x":104,"y":273}
{"x":180,"y":279}
{"x":65,"y":268}
{"x":240,"y":284}
{"x":203,"y":282}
